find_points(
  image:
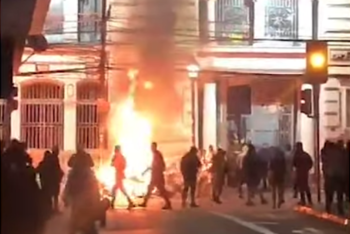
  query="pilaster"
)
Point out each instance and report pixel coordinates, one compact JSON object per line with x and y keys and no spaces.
{"x":70,"y":115}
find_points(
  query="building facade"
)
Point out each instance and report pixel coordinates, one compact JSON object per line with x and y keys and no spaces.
{"x":269,"y":45}
{"x":58,"y":88}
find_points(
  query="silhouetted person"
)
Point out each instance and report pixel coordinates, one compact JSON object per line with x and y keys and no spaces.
{"x":277,"y":176}
{"x":334,"y":168}
{"x":218,"y":170}
{"x":302,"y":163}
{"x":190,"y":165}
{"x":57,"y":177}
{"x":82,"y":194}
{"x":119,"y":164}
{"x":264,"y":155}
{"x":347,"y":153}
{"x":157,"y":178}
{"x":50,"y":177}
{"x":252,"y":175}
{"x":21,"y":207}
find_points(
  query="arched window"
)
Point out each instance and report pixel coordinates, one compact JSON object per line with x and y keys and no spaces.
{"x":42,"y":114}
{"x":87,"y":115}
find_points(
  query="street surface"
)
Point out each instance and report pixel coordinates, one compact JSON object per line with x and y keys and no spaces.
{"x":232,"y":217}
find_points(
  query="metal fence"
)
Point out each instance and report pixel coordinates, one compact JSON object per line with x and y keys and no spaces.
{"x":87,"y":121}
{"x":42,"y":114}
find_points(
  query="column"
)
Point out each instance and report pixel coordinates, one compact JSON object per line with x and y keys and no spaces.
{"x":70,"y":115}
{"x":209,"y":115}
{"x":330,"y":111}
{"x":222,"y":112}
{"x":211,"y":18}
{"x":305,"y":19}
{"x":16,"y":119}
{"x":70,"y":24}
{"x":306,"y":131}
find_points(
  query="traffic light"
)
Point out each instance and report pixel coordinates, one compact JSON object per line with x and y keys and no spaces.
{"x":306,"y":102}
{"x":316,"y":62}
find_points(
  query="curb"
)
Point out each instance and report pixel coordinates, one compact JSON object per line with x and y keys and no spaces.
{"x":322,"y":215}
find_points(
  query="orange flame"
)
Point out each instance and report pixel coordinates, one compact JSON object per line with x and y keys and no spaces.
{"x":133,"y":133}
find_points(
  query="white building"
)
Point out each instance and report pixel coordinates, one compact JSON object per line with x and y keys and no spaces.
{"x":72,"y":29}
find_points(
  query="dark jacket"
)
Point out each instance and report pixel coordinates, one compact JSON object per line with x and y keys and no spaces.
{"x":278,"y":166}
{"x":190,"y":165}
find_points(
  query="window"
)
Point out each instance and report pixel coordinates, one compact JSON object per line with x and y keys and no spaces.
{"x":232,"y":21}
{"x":87,"y":120}
{"x":281,"y":19}
{"x":347,"y":106}
{"x":55,"y":18}
{"x":89,"y":20}
{"x":42,"y":115}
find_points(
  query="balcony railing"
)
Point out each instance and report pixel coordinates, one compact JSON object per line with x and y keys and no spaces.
{"x":272,"y":19}
{"x":81,"y":28}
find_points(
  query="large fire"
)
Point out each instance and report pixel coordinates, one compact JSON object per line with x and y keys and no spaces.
{"x":134,"y":134}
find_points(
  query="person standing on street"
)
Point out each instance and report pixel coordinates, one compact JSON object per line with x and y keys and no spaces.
{"x":119,"y":164}
{"x":347,"y":154}
{"x":302,"y":163}
{"x":218,"y":170}
{"x":157,"y":178}
{"x":252,"y":175}
{"x":277,"y":176}
{"x":190,"y":165}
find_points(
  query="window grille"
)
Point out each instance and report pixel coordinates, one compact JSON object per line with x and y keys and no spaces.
{"x":87,"y":115}
{"x":42,"y":115}
{"x":231,"y":21}
{"x":281,"y":19}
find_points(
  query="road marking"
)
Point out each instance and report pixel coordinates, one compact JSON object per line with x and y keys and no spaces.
{"x":244,"y":223}
{"x":307,"y":231}
{"x":266,"y":223}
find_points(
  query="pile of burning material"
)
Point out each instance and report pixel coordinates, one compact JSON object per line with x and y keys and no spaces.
{"x":133,"y":133}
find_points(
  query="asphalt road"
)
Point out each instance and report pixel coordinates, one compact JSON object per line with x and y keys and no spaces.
{"x":230,"y":218}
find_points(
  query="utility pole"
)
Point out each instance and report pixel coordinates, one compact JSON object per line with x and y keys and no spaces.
{"x":316,"y":100}
{"x":102,"y":77}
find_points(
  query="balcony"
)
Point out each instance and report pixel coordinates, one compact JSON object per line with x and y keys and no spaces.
{"x":73,"y":22}
{"x":263,"y":23}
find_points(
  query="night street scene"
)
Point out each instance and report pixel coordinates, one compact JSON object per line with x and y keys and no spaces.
{"x":175,"y":116}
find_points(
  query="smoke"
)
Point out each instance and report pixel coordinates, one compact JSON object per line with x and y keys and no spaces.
{"x":156,"y":49}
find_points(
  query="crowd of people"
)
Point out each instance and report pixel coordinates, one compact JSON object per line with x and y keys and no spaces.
{"x":30,"y":196}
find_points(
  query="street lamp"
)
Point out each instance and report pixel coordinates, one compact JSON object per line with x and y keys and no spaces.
{"x":193,"y":73}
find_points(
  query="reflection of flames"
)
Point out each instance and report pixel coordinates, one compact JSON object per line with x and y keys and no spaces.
{"x":133,"y":133}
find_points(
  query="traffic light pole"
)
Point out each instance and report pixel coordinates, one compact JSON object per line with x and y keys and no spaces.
{"x":316,"y":99}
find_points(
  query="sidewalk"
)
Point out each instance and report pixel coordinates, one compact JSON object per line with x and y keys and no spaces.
{"x":318,"y":212}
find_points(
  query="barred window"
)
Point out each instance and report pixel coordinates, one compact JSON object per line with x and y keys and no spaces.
{"x":281,"y":19}
{"x":231,"y":21}
{"x":87,"y":115}
{"x":89,"y":19}
{"x":42,"y":115}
